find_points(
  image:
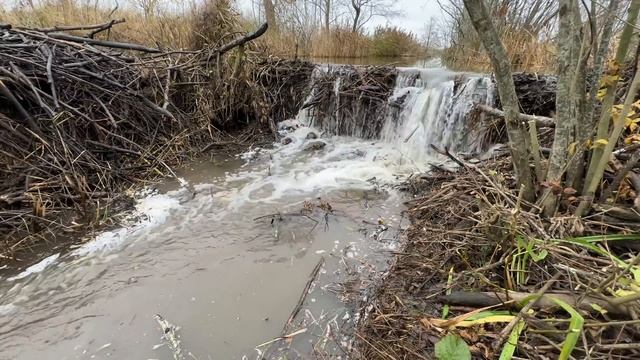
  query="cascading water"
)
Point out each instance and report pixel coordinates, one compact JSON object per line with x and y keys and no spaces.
{"x":426,"y":106}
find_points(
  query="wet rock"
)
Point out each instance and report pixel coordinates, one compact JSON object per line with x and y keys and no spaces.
{"x":286,"y":141}
{"x":359,"y":153}
{"x":288,"y":126}
{"x":314,"y":145}
{"x":311,"y":136}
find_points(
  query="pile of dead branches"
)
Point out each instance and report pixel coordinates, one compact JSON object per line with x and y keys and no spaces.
{"x":481,"y":266}
{"x":82,"y":118}
{"x":349,"y":100}
{"x":284,"y":84}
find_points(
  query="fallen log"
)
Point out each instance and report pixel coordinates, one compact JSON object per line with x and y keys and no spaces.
{"x":619,"y":212}
{"x":482,"y":299}
{"x":89,"y":41}
{"x":541,"y":121}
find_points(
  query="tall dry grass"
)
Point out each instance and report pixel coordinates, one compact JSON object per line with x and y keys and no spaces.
{"x":527,"y":53}
{"x":342,"y":42}
{"x":389,"y":41}
{"x":189,"y":27}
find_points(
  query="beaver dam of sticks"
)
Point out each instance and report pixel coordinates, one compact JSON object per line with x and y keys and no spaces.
{"x":82,"y":120}
{"x":473,"y":258}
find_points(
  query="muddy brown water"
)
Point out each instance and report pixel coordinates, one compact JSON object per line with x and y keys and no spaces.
{"x":198,"y":258}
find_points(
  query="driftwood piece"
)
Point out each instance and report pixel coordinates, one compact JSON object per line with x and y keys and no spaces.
{"x":619,"y":212}
{"x":540,"y":121}
{"x":622,"y":173}
{"x":103,"y":43}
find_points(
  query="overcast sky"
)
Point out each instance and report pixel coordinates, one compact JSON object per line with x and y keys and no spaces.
{"x":416,"y":14}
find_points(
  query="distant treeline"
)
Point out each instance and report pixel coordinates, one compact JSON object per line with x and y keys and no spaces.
{"x":184,"y":24}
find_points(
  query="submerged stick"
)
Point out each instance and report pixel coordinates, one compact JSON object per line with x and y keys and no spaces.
{"x":303,"y":296}
{"x":169,"y":334}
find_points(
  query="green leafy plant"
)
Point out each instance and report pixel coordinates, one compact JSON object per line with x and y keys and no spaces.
{"x":526,"y":250}
{"x":452,"y":347}
{"x":575,"y":329}
{"x":510,"y":347}
{"x":445,"y":309}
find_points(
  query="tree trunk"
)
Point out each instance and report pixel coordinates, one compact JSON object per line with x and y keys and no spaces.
{"x":517,"y":132}
{"x":592,"y":184}
{"x":327,"y":15}
{"x":356,"y":17}
{"x":609,"y":98}
{"x":599,"y":50}
{"x":270,"y":14}
{"x":568,"y":59}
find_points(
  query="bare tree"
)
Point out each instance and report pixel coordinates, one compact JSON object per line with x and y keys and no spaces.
{"x":270,"y":14}
{"x":327,"y":14}
{"x":577,"y":40}
{"x":431,"y":35}
{"x":518,"y":140}
{"x":362,"y":11}
{"x":515,"y":20}
{"x":148,"y":7}
{"x":568,"y":59}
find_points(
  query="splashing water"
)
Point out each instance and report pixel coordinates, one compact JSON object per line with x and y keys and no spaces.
{"x":427,"y":106}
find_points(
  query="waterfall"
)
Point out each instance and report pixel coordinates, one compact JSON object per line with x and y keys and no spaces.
{"x":416,"y":108}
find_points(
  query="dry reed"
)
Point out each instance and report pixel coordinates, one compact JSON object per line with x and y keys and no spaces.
{"x":527,"y":53}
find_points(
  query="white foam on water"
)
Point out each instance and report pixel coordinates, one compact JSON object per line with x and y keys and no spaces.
{"x":7,"y":309}
{"x":36,"y":268}
{"x":150,"y":211}
{"x":426,"y":107}
{"x":343,"y":163}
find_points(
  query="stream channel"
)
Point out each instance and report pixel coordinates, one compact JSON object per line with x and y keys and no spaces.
{"x":225,"y":251}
